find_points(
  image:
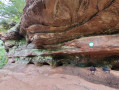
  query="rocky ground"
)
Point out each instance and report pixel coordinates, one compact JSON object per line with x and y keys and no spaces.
{"x":31,"y":77}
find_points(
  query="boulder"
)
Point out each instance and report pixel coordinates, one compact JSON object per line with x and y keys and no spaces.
{"x":13,"y":33}
{"x":47,"y":22}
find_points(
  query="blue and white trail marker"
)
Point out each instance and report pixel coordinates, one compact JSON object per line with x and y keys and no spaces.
{"x":91,"y":44}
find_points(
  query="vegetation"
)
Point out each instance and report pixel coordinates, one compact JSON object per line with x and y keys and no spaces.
{"x":10,"y":12}
{"x":3,"y":58}
{"x":9,"y":17}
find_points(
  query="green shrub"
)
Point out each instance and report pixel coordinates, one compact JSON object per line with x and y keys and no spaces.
{"x":3,"y":57}
{"x":11,"y":12}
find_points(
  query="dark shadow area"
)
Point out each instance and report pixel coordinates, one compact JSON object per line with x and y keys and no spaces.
{"x":115,"y":68}
{"x":45,"y":63}
{"x":30,"y":62}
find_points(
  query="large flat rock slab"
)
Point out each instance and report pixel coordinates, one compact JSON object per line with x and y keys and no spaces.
{"x":104,"y":46}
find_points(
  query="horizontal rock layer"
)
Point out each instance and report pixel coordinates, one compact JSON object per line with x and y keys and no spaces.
{"x":108,"y":44}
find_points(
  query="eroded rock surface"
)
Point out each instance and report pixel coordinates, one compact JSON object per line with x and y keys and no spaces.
{"x":64,"y":28}
{"x":104,"y":46}
{"x":50,"y":22}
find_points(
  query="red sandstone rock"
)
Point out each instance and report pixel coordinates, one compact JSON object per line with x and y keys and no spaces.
{"x":47,"y":22}
{"x":60,"y":24}
{"x":104,"y":46}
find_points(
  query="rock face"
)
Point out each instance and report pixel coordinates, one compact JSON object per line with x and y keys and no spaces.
{"x":104,"y":46}
{"x":50,"y":22}
{"x":68,"y":26}
{"x":13,"y":33}
{"x":19,"y":52}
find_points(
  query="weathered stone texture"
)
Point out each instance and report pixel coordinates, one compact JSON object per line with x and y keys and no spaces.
{"x":68,"y":26}
{"x":50,"y":22}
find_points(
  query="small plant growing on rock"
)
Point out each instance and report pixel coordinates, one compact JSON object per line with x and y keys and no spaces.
{"x":3,"y":58}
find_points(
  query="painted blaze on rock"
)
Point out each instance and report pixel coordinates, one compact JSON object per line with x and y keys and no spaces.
{"x":91,"y":44}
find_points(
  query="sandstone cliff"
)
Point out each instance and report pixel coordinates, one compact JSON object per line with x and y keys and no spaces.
{"x":50,"y":22}
{"x":67,"y":26}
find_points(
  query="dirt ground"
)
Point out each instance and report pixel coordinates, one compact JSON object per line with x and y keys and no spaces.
{"x":105,"y":78}
{"x":33,"y":77}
